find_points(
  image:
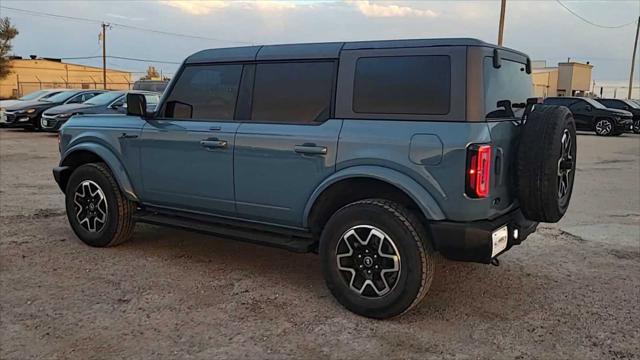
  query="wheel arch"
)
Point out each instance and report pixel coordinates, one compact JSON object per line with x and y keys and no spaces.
{"x":363,"y":182}
{"x":89,"y":153}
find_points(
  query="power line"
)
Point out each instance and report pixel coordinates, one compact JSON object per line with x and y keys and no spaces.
{"x":591,"y":22}
{"x":121,"y":58}
{"x":131,"y":27}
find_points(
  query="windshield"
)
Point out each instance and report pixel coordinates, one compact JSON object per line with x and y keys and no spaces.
{"x":34,"y":95}
{"x":509,"y":82}
{"x":60,"y":97}
{"x":104,"y":99}
{"x":632,"y":104}
{"x":594,"y":103}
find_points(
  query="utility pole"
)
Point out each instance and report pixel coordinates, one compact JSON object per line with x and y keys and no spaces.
{"x":503,"y":7}
{"x":633,"y":58}
{"x":104,"y":55}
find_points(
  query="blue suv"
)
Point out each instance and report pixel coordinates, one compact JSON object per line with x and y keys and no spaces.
{"x":374,"y":154}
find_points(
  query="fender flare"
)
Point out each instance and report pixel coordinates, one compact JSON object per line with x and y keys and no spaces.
{"x":413,"y":189}
{"x":112,"y":161}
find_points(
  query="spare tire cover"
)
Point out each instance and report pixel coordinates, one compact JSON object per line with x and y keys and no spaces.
{"x":546,"y":163}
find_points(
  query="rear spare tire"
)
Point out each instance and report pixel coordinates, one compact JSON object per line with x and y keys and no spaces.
{"x":546,"y":163}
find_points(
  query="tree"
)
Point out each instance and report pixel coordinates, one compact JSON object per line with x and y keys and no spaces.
{"x":152,"y":74}
{"x":7,"y":33}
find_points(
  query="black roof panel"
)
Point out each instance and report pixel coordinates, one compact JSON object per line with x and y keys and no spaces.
{"x":328,"y":50}
{"x":244,"y":53}
{"x":300,"y":51}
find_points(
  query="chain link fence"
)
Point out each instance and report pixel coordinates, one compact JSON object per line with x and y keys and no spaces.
{"x":26,"y":87}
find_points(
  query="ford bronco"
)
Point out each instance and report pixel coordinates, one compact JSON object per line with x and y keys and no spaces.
{"x":374,"y":154}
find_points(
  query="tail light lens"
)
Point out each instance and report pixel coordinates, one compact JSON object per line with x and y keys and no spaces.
{"x":478,"y":171}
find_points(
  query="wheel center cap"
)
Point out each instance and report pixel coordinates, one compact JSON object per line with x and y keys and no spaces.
{"x":368,"y":261}
{"x":91,"y":206}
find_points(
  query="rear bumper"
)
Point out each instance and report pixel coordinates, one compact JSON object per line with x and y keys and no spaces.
{"x":473,"y":241}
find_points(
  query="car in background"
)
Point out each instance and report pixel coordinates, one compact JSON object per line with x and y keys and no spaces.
{"x":590,"y":115}
{"x":36,"y":95}
{"x":112,"y":102}
{"x":628,"y":105}
{"x":151,"y":85}
{"x":27,"y":114}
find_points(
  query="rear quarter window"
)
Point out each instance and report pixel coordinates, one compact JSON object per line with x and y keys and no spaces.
{"x":509,"y":82}
{"x":419,"y":85}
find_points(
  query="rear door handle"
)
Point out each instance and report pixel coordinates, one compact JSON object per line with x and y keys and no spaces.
{"x":213,"y":143}
{"x":310,"y":149}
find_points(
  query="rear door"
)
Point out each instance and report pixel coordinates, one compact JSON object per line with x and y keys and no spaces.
{"x":187,"y":152}
{"x":289,"y":144}
{"x":508,"y":82}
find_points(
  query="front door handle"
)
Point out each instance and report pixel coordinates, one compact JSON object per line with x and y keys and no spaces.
{"x":127,"y":136}
{"x":213,"y":143}
{"x":310,"y":149}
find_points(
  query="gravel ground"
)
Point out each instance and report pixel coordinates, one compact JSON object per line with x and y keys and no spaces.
{"x":571,"y":290}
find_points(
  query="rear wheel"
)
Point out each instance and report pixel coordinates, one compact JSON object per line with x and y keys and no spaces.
{"x":97,"y":210}
{"x":604,"y":127}
{"x":376,"y":259}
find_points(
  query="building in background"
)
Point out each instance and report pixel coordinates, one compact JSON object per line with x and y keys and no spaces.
{"x":567,"y":79}
{"x":28,"y":75}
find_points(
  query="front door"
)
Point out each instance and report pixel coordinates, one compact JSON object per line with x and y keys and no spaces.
{"x":187,"y":151}
{"x":288,"y":147}
{"x":583,"y":114}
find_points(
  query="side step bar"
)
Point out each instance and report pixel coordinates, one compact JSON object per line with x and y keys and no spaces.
{"x":284,"y":241}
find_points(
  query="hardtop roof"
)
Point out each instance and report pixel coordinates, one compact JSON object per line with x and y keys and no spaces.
{"x":327,"y":50}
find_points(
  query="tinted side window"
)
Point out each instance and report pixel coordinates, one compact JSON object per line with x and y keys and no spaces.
{"x":402,"y":85}
{"x":579,"y":106}
{"x":205,"y":92}
{"x":559,"y":102}
{"x":293,"y":92}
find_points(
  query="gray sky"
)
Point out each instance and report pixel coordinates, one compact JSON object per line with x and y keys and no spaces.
{"x":543,"y":29}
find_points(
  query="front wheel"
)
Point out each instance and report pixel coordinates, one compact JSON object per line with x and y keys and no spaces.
{"x":604,"y":127}
{"x":98,"y":212}
{"x":636,"y":127}
{"x":376,"y":259}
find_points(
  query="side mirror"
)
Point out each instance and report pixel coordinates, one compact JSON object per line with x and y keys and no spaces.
{"x":136,"y":105}
{"x":588,"y":108}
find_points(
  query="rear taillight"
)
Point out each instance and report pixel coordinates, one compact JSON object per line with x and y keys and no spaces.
{"x":478,"y":171}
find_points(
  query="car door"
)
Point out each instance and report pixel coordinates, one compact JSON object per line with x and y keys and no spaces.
{"x":289,"y":144}
{"x":187,"y":150}
{"x":582,"y":113}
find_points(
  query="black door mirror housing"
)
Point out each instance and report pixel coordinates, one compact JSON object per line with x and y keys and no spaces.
{"x":589,"y":108}
{"x":136,"y":105}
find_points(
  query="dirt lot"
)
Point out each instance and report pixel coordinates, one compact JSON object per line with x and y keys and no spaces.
{"x":571,"y":290}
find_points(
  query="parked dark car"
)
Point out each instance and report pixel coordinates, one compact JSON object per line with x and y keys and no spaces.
{"x":27,"y":114}
{"x":112,"y":102}
{"x":375,"y":154}
{"x":627,"y":105}
{"x":590,"y":115}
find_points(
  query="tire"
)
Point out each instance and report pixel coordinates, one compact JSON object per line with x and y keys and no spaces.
{"x":109,"y":221}
{"x":393,"y":231}
{"x":636,"y":126}
{"x":36,"y":125}
{"x":604,"y":127}
{"x":546,"y":163}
